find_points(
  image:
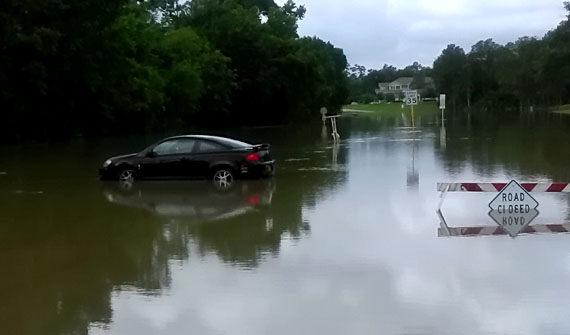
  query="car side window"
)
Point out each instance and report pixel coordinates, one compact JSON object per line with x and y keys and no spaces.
{"x":175,"y":147}
{"x":208,"y":146}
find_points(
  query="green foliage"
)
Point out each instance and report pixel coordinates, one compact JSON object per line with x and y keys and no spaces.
{"x":84,"y":67}
{"x":528,"y":72}
{"x":198,"y":81}
{"x":449,"y":71}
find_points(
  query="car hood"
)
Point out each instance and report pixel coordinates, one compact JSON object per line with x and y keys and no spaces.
{"x":116,"y":158}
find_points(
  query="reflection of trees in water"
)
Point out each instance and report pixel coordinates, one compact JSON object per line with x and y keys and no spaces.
{"x":530,"y":146}
{"x":63,"y":252}
{"x":61,"y":258}
{"x":245,"y":240}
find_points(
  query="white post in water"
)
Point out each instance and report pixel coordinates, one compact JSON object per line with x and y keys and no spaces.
{"x":324,"y":112}
{"x":335,"y":134}
{"x":442,"y":106}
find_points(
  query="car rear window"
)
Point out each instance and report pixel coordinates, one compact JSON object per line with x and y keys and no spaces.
{"x":208,"y":146}
{"x":233,"y":143}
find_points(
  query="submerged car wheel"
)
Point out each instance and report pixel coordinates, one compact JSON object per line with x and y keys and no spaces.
{"x":223,"y":178}
{"x":126,"y":175}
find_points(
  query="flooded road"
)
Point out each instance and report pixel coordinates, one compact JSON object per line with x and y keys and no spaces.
{"x":344,"y":240}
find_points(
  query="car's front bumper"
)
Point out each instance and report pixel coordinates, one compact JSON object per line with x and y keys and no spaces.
{"x":107,"y":173}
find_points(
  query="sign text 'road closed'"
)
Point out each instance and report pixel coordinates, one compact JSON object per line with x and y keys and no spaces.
{"x":513,"y":208}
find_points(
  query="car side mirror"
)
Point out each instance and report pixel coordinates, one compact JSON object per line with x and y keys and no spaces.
{"x":151,"y":154}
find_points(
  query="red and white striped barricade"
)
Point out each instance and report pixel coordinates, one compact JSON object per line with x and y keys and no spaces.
{"x":498,"y":231}
{"x":445,"y":230}
{"x":497,"y":187}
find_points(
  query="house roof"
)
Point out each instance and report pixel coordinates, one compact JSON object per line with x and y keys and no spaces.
{"x":403,"y":81}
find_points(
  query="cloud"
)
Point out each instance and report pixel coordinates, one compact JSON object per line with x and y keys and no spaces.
{"x":375,"y":32}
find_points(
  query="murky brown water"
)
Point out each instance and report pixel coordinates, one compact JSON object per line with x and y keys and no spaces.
{"x":344,"y":240}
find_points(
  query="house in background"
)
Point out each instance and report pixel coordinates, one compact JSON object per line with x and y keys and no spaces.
{"x":402,"y":84}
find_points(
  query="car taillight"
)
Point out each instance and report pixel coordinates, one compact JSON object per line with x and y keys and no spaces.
{"x":252,"y":157}
{"x":253,"y":200}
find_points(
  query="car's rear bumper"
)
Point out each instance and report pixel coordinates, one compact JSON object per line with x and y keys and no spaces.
{"x":258,"y":170}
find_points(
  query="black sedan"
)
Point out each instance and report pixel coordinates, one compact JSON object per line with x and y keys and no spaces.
{"x":192,"y":157}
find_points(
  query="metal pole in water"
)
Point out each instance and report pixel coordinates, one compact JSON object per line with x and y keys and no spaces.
{"x":413,"y":124}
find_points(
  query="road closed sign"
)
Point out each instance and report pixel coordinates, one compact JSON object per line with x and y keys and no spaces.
{"x":513,"y":208}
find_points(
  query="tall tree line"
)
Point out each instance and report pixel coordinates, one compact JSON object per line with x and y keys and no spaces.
{"x":519,"y":75}
{"x":90,"y":67}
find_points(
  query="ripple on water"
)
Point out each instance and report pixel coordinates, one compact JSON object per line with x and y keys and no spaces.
{"x":297,"y":159}
{"x":29,"y":192}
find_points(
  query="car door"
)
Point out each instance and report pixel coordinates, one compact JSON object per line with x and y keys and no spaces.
{"x":206,"y":153}
{"x":180,"y":165}
{"x":167,"y":159}
{"x":152,"y":165}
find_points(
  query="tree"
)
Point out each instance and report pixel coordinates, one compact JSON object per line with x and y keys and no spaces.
{"x":198,"y":81}
{"x":449,"y":72}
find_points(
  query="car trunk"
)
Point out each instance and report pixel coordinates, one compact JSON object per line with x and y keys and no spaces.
{"x":263,"y":152}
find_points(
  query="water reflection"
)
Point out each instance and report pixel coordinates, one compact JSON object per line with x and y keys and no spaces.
{"x":413,"y":176}
{"x":336,"y":243}
{"x":65,"y":250}
{"x":505,"y":225}
{"x":193,"y":201}
{"x":442,"y":137}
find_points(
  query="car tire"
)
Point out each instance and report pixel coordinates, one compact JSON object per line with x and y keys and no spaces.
{"x":223,"y":178}
{"x":126,"y":174}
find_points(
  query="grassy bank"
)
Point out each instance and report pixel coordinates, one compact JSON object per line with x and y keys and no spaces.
{"x":395,"y":108}
{"x":564,"y":109}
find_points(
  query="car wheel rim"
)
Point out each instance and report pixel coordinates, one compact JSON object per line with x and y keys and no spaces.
{"x":223,"y":179}
{"x":126,"y":175}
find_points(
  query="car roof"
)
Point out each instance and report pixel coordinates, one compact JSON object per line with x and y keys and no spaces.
{"x":207,"y":137}
{"x":204,"y":137}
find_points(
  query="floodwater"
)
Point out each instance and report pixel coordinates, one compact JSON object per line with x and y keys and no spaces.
{"x":344,"y":240}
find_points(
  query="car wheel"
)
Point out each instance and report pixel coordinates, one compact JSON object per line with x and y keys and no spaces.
{"x":223,"y":178}
{"x":126,"y":175}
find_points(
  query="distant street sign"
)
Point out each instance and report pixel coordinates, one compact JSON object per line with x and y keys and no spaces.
{"x":513,"y":208}
{"x":411,"y":98}
{"x":442,"y":101}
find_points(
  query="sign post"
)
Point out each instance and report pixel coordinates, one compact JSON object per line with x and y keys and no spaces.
{"x":442,"y":106}
{"x":411,"y":98}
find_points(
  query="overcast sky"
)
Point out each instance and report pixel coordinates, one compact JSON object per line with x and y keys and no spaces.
{"x":399,"y":32}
